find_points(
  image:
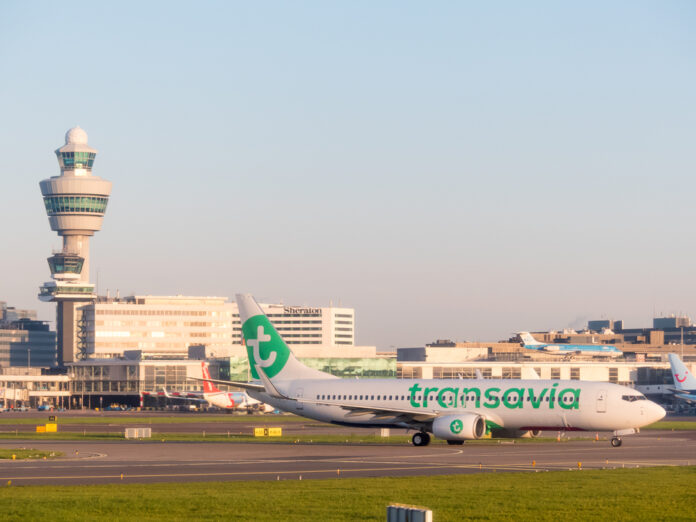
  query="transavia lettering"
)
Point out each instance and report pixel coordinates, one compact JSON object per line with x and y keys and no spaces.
{"x":494,"y":397}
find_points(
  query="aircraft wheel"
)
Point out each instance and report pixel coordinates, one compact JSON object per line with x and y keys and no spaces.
{"x":455,"y":442}
{"x":420,"y":439}
{"x":616,"y":442}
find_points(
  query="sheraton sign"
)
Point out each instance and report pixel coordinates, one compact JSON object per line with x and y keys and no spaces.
{"x":301,"y":311}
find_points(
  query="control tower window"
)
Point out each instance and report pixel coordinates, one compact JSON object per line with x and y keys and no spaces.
{"x":78,"y":160}
{"x":63,"y":264}
{"x":91,"y":204}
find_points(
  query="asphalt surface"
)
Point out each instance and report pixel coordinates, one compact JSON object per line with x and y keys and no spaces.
{"x":149,"y":462}
{"x":160,"y":422}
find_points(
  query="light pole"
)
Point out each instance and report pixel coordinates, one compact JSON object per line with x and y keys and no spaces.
{"x":28,"y":357}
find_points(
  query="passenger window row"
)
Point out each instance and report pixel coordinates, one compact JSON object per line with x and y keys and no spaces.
{"x":362,"y":397}
{"x":445,"y":398}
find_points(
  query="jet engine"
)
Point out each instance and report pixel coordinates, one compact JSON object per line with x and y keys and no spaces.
{"x":459,"y":427}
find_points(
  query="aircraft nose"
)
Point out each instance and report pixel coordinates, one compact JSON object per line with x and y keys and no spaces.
{"x":656,"y":412}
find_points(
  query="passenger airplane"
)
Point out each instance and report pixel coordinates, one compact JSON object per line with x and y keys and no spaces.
{"x":531,"y":343}
{"x":684,"y":381}
{"x":215,"y":397}
{"x":451,"y":409}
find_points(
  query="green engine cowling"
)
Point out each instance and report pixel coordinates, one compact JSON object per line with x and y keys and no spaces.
{"x":465,"y":426}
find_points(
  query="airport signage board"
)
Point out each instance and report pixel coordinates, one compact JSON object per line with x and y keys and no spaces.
{"x":268,"y":432}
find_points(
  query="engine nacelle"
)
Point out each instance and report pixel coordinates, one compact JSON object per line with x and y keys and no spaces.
{"x":464,"y":426}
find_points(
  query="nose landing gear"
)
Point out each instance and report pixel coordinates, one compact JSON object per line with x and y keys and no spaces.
{"x":616,"y":442}
{"x":420,"y":439}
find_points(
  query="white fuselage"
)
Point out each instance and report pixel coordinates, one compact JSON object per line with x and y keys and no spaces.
{"x":510,"y":404}
{"x":229,"y":400}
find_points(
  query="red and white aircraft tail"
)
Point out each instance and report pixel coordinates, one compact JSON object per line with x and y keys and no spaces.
{"x":208,"y":387}
{"x":223,"y":399}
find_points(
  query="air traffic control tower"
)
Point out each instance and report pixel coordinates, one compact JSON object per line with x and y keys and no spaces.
{"x":75,"y":203}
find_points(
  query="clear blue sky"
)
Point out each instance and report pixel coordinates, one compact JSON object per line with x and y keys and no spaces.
{"x":449,"y":169}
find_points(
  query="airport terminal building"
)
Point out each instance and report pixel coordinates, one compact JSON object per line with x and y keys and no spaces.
{"x":24,"y":341}
{"x":135,"y":381}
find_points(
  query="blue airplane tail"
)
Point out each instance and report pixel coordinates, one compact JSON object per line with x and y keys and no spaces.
{"x":683,"y":378}
{"x":528,"y":340}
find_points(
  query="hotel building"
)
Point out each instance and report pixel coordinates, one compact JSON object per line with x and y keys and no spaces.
{"x":168,"y":326}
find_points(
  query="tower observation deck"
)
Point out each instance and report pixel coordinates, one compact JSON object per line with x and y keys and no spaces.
{"x":75,"y":203}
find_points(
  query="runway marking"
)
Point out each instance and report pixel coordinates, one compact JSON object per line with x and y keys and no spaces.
{"x":482,"y":467}
{"x":250,"y":473}
{"x":475,"y":462}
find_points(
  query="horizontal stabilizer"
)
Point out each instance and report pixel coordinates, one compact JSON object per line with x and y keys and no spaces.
{"x":237,"y":384}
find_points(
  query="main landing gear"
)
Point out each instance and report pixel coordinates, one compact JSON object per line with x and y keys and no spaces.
{"x":420,"y":439}
{"x":616,"y":442}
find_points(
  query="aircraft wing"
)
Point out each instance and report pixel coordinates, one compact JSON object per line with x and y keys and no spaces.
{"x":183,"y":396}
{"x":688,"y":397}
{"x":243,"y":385}
{"x":176,"y":396}
{"x":356,"y":410}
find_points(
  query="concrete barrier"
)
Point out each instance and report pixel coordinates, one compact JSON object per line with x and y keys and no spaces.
{"x":138,"y":433}
{"x":404,"y":513}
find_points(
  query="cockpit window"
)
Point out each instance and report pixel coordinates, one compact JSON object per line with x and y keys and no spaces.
{"x":632,"y":398}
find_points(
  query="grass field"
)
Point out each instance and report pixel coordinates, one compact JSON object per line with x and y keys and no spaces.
{"x":639,"y":494}
{"x":671,"y":425}
{"x":27,"y":454}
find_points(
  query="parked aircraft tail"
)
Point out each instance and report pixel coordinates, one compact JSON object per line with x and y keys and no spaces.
{"x":528,"y":340}
{"x":683,"y":378}
{"x":208,"y":387}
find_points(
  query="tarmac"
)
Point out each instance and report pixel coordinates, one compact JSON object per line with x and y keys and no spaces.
{"x":152,"y":461}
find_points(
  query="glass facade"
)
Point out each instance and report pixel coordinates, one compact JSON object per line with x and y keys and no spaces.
{"x":90,"y":204}
{"x":129,"y":379}
{"x":62,"y":264}
{"x":26,"y":348}
{"x":345,"y":367}
{"x":52,"y":290}
{"x":77,"y":160}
